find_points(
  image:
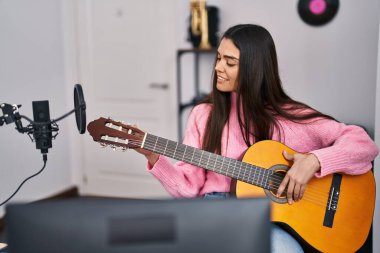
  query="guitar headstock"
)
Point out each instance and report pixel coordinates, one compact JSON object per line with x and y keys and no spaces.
{"x":115,"y":133}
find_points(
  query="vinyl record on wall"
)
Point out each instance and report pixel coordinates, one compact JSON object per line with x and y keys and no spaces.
{"x":317,"y":12}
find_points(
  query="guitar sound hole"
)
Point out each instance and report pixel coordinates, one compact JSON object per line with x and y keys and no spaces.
{"x":275,"y":181}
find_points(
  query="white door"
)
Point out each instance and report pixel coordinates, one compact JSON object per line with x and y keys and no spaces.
{"x":127,"y":66}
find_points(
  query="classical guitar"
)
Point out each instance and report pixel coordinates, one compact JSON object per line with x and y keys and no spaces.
{"x":334,"y":215}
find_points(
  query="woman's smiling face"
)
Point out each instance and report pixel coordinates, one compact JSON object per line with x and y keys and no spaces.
{"x":227,"y":66}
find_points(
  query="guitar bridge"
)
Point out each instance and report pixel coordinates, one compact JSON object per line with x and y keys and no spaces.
{"x":332,"y":202}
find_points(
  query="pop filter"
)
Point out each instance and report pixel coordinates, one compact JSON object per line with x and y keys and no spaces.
{"x":80,"y":108}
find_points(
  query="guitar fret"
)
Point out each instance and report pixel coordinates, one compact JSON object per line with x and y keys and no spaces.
{"x":175,"y":150}
{"x":269,"y":174}
{"x":152,"y":142}
{"x":191,"y":161}
{"x":197,"y":156}
{"x":186,"y":155}
{"x":169,"y":148}
{"x":184,"y":152}
{"x":265,"y":183}
{"x":252,"y":176}
{"x":247,"y":171}
{"x":155,"y":144}
{"x":228,"y":166}
{"x":262,"y":179}
{"x":266,"y":175}
{"x":158,"y":145}
{"x":205,"y":160}
{"x":238,"y":171}
{"x":167,"y":141}
{"x":243,"y":170}
{"x":257,"y":176}
{"x":221,"y":165}
{"x":249,"y":176}
{"x":200,"y":160}
{"x":235,"y":168}
{"x":208,"y":159}
{"x":216,"y":159}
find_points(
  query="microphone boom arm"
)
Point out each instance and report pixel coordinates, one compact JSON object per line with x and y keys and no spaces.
{"x":10,"y":115}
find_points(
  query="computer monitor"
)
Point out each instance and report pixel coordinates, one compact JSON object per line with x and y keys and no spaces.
{"x":139,"y":226}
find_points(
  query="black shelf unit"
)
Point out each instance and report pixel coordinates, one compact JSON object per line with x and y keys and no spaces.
{"x":182,"y":106}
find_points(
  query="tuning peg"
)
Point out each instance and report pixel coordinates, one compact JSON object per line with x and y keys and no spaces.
{"x":103,"y":145}
{"x":124,"y":149}
{"x":113,"y":147}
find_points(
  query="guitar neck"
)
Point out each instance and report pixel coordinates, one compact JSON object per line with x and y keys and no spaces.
{"x":222,"y":165}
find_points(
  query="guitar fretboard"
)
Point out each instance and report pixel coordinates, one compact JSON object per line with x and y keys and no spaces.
{"x":222,"y":165}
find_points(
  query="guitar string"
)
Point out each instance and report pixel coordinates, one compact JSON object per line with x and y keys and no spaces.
{"x":311,"y":194}
{"x":308,"y":195}
{"x":275,"y":180}
{"x":316,"y":197}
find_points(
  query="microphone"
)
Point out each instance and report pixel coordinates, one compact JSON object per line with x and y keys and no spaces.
{"x":42,"y":127}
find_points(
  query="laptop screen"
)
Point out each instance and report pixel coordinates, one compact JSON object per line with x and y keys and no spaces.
{"x":117,"y":225}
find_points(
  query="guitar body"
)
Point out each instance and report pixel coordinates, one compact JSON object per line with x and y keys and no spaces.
{"x":355,"y":207}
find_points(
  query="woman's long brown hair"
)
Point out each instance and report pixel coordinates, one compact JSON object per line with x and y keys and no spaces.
{"x":259,"y":92}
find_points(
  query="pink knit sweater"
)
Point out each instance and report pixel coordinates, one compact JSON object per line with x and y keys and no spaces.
{"x":339,"y":148}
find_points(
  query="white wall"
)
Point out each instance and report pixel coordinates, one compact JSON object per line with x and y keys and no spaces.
{"x":32,"y":68}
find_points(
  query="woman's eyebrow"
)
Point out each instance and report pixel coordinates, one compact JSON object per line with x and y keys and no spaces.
{"x":229,"y":57}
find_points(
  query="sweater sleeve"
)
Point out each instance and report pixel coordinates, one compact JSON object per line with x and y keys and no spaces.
{"x":182,"y":179}
{"x":346,"y":148}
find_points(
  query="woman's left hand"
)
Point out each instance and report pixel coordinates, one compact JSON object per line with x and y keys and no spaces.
{"x":303,"y":169}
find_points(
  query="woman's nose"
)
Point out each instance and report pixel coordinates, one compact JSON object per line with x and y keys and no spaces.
{"x":218,"y":66}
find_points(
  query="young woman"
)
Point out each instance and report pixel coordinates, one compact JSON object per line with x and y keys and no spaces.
{"x":248,"y":104}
